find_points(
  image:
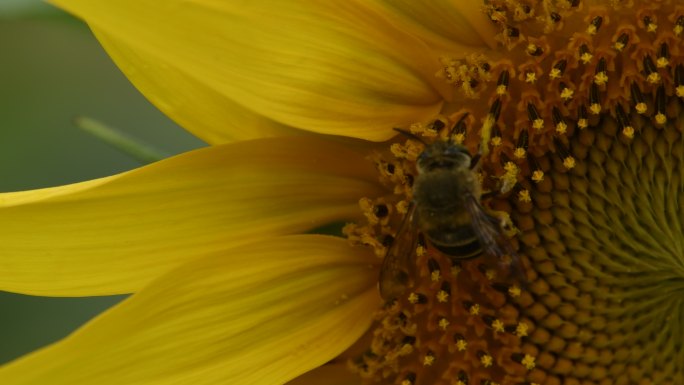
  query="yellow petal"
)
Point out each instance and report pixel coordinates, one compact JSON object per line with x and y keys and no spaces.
{"x":114,"y":235}
{"x":330,"y":67}
{"x":447,"y":26}
{"x":199,"y":107}
{"x":261,"y":314}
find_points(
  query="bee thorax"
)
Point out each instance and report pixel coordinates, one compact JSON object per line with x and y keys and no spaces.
{"x":444,"y":190}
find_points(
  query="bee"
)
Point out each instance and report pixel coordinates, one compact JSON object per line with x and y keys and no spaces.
{"x":446,"y":209}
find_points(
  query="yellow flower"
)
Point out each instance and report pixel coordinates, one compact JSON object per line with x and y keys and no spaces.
{"x":575,"y":107}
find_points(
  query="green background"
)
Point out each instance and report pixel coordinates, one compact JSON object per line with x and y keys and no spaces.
{"x":52,"y":70}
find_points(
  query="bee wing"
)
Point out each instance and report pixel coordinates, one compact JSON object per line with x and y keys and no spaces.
{"x":488,"y":230}
{"x":394,"y":273}
{"x":493,"y":241}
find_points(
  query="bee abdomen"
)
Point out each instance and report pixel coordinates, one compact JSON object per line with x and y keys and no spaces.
{"x":459,"y":242}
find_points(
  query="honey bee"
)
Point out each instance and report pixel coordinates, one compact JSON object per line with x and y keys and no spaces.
{"x":446,"y":209}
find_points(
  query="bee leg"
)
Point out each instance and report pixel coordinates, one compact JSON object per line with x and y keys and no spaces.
{"x":505,"y":223}
{"x":511,"y":260}
{"x":495,"y":228}
{"x":489,"y":195}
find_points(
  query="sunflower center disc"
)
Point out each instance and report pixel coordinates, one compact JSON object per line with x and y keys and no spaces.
{"x":582,"y":115}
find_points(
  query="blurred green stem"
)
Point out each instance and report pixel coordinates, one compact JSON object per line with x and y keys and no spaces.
{"x":141,"y":152}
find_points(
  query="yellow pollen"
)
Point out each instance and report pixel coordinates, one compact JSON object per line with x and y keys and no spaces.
{"x":601,"y":78}
{"x":679,"y":91}
{"x":662,"y":62}
{"x":524,"y":196}
{"x":501,"y":90}
{"x":486,"y":132}
{"x":409,"y":151}
{"x":428,"y":131}
{"x":653,"y":78}
{"x":498,"y":326}
{"x":538,"y":176}
{"x":405,"y":350}
{"x":398,"y":150}
{"x":429,"y":359}
{"x":619,"y":46}
{"x":490,"y":274}
{"x":678,"y":29}
{"x":582,"y":123}
{"x":528,"y":362}
{"x":443,"y":323}
{"x":561,"y":128}
{"x":569,"y":162}
{"x":532,"y":48}
{"x":420,"y":251}
{"x":455,"y":270}
{"x":510,"y":177}
{"x":521,"y":329}
{"x":496,"y":141}
{"x":520,"y":153}
{"x":660,"y":118}
{"x":641,"y":108}
{"x":413,"y":298}
{"x":458,"y":138}
{"x":442,"y":296}
{"x":514,"y":291}
{"x":435,"y":276}
{"x":586,"y":57}
{"x":461,"y":345}
{"x":567,"y":94}
{"x":530,"y":77}
{"x":366,"y":204}
{"x":595,"y":108}
{"x":363,"y":235}
{"x":474,"y":310}
{"x":652,"y":27}
{"x":538,"y":124}
{"x":487,"y":360}
{"x":417,"y":128}
{"x":369,"y":211}
{"x":628,"y":132}
{"x":555,"y":73}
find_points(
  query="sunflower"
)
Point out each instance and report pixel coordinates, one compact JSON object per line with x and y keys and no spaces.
{"x":572,"y":106}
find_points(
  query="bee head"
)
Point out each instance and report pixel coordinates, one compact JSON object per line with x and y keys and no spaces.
{"x":443,"y":155}
{"x":440,"y":155}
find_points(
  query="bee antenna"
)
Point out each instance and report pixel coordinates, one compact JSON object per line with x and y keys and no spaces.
{"x":459,"y":125}
{"x":410,"y":135}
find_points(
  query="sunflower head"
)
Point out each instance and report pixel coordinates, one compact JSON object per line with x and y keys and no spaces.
{"x":578,"y":119}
